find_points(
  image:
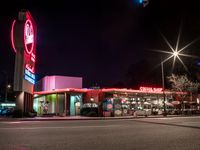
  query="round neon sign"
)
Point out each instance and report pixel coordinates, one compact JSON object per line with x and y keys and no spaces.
{"x":28,"y":37}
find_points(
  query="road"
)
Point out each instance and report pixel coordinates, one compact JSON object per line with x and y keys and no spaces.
{"x":130,"y":134}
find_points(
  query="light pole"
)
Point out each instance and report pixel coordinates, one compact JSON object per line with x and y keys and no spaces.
{"x":8,"y":87}
{"x":163,"y":87}
{"x":173,"y":54}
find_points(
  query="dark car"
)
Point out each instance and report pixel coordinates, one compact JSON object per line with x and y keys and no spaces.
{"x":90,"y":110}
{"x":6,"y":112}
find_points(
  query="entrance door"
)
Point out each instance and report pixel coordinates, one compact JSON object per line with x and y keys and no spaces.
{"x":77,"y":108}
{"x":75,"y":104}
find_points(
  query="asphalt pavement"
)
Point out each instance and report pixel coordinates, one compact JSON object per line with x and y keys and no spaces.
{"x":170,"y":133}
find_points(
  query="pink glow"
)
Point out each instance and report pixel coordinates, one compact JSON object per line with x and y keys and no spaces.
{"x":150,"y":89}
{"x":67,"y":82}
{"x":33,"y":55}
{"x":63,"y":90}
{"x":12,"y":36}
{"x":28,"y":36}
{"x":60,"y":82}
{"x":101,"y":90}
{"x":33,"y":59}
{"x":113,"y":90}
{"x":30,"y":68}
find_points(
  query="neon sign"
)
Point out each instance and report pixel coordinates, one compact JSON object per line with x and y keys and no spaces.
{"x":29,"y":76}
{"x":28,"y":37}
{"x":150,"y":89}
{"x":12,"y":36}
{"x":26,"y":40}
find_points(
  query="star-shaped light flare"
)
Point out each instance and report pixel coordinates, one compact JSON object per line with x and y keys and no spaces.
{"x":175,"y":53}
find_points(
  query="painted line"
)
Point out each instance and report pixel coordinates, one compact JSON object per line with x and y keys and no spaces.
{"x":32,"y":128}
{"x":189,"y":117}
{"x":16,"y":122}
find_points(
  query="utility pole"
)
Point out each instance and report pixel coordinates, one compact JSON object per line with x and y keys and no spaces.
{"x":163,"y":87}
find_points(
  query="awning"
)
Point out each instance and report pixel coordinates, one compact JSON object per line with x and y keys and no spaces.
{"x":193,"y":103}
{"x":169,"y":104}
{"x":146,"y":103}
{"x":176,"y":102}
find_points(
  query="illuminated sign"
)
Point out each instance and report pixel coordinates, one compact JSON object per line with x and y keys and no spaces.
{"x":28,"y":36}
{"x":150,"y":89}
{"x":12,"y":36}
{"x":25,"y":39}
{"x":29,"y":76}
{"x":8,"y":104}
{"x":109,"y":106}
{"x":29,"y":46}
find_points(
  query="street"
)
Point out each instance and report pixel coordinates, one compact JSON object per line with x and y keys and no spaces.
{"x":181,"y":133}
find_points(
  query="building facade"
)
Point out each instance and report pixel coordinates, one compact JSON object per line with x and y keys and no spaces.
{"x":112,"y":102}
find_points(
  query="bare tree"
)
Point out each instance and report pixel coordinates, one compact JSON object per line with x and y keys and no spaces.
{"x":181,"y":83}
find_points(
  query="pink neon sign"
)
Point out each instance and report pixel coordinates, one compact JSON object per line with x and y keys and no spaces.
{"x":12,"y":36}
{"x":28,"y":36}
{"x":150,"y":89}
{"x":25,"y":39}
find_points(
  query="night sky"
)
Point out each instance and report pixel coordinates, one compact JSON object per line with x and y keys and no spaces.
{"x":106,"y":42}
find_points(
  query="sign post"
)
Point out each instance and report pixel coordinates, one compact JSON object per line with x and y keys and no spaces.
{"x":23,"y":39}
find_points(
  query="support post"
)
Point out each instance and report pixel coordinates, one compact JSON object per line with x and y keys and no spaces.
{"x":163,"y":86}
{"x":65,"y":104}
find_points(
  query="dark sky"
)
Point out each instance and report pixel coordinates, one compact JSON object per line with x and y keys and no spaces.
{"x":100,"y":40}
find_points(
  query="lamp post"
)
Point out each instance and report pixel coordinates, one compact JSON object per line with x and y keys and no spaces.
{"x":163,"y":87}
{"x":173,"y":54}
{"x":8,"y":87}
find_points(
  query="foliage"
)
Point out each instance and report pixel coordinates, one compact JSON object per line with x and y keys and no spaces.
{"x":181,"y":83}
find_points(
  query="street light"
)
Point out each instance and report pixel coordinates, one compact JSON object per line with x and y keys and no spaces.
{"x":163,"y":87}
{"x":175,"y":53}
{"x":8,"y":86}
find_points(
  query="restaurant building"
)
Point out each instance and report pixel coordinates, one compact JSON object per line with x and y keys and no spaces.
{"x":64,"y":96}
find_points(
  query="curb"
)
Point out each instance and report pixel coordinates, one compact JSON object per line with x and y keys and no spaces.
{"x":92,"y":118}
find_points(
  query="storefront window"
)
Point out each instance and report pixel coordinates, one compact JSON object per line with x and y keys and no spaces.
{"x":75,"y":104}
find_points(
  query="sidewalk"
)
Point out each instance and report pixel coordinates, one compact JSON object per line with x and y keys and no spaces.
{"x":89,"y":118}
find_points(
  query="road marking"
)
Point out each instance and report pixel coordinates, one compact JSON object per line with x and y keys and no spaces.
{"x":16,"y":122}
{"x":65,"y":127}
{"x":189,"y":117}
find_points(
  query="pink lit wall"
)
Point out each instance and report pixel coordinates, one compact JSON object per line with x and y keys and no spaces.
{"x":50,"y":83}
{"x":62,"y":82}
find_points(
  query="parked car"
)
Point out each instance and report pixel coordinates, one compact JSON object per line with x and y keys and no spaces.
{"x":90,"y":110}
{"x":6,"y":112}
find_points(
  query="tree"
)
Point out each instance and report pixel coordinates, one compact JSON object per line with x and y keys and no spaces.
{"x":181,"y":83}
